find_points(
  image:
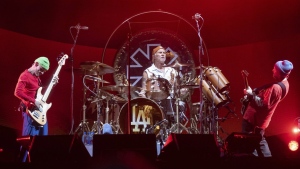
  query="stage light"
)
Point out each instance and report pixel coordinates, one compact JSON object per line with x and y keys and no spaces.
{"x":296,"y":125}
{"x":296,"y":130}
{"x":293,"y":145}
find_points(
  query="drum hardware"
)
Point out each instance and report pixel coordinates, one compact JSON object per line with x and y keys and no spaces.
{"x":98,"y":97}
{"x":96,"y":68}
{"x":107,"y":129}
{"x":178,"y":127}
{"x":120,"y":88}
{"x":157,"y":88}
{"x":96,"y":79}
{"x":83,"y":124}
{"x":92,"y":71}
{"x":230,"y":111}
{"x":160,"y":130}
{"x":143,"y":114}
{"x":159,"y":125}
{"x":97,"y":127}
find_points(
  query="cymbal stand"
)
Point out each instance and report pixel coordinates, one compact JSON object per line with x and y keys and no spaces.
{"x":83,"y":124}
{"x":178,"y":127}
{"x":195,"y":119}
{"x":98,"y":124}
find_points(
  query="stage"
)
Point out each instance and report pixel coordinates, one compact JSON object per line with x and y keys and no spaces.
{"x":133,"y":151}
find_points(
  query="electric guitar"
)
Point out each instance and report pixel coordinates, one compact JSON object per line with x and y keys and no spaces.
{"x":245,"y":100}
{"x":38,"y":114}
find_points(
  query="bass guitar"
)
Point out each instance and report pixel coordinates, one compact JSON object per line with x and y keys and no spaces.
{"x":245,"y":100}
{"x":38,"y":114}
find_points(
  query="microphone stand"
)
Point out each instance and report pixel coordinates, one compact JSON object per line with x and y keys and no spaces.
{"x":72,"y":77}
{"x":200,"y":50}
{"x":128,"y":91}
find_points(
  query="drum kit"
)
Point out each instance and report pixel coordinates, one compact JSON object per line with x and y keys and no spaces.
{"x":162,"y":111}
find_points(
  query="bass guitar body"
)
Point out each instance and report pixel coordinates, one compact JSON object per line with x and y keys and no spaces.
{"x":39,"y":114}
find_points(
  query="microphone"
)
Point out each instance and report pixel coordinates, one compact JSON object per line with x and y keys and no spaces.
{"x":197,"y":16}
{"x":79,"y":27}
{"x":169,"y":54}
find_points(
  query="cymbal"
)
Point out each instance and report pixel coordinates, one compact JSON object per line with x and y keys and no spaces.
{"x":177,"y":65}
{"x":119,"y":88}
{"x":96,"y":67}
{"x":95,"y":79}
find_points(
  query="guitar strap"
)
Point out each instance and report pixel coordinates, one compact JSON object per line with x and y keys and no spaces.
{"x":256,"y":90}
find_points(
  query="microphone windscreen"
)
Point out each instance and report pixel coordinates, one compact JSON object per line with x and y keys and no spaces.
{"x":170,"y":54}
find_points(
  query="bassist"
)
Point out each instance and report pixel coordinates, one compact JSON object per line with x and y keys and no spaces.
{"x":263,"y":103}
{"x":26,"y":90}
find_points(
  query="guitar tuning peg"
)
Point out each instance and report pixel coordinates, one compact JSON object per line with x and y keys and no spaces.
{"x":60,"y":56}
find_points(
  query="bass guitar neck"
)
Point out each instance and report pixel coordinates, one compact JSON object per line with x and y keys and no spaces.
{"x":245,"y":100}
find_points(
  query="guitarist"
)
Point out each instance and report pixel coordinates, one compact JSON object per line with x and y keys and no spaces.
{"x":263,"y":102}
{"x":26,"y":90}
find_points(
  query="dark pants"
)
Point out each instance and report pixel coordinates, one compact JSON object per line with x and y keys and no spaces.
{"x":31,"y":128}
{"x":262,"y":149}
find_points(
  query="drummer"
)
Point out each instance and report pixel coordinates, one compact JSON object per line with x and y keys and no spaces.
{"x":159,"y":70}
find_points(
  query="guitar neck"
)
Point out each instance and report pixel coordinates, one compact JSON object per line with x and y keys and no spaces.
{"x":246,"y":83}
{"x":245,"y":75}
{"x":50,"y":86}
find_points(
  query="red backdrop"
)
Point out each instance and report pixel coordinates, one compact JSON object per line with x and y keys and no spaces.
{"x":19,"y":51}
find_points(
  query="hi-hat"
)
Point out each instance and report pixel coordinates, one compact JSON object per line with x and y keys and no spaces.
{"x":177,"y":65}
{"x":96,"y":68}
{"x":120,"y":88}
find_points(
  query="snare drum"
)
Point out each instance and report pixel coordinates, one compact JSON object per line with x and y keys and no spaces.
{"x":216,"y":77}
{"x":144,"y":113}
{"x":157,"y":88}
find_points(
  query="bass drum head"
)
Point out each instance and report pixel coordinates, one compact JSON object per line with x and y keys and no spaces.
{"x":144,"y":113}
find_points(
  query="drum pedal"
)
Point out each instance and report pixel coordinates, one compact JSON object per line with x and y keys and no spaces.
{"x":107,"y":129}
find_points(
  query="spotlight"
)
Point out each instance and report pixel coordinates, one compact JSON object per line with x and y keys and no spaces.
{"x":296,"y":125}
{"x":293,"y":145}
{"x":296,"y":130}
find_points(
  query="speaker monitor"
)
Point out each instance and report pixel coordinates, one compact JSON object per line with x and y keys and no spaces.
{"x":191,"y":147}
{"x":124,"y":148}
{"x":242,"y":143}
{"x":57,"y":149}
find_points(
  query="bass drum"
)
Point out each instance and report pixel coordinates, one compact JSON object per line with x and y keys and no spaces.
{"x":144,"y":113}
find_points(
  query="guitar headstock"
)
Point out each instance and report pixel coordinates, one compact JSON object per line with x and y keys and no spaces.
{"x":245,"y":73}
{"x":62,"y":59}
